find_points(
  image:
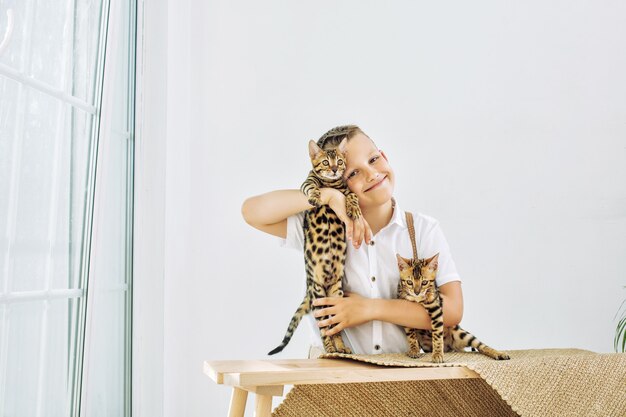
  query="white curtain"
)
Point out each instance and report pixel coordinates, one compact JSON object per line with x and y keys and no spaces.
{"x":66,"y":169}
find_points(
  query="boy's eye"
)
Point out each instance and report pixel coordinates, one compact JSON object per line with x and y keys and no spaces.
{"x":374,"y":159}
{"x":350,"y":175}
{"x":325,"y":163}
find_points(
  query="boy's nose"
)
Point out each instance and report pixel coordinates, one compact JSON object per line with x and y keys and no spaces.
{"x":372,"y":175}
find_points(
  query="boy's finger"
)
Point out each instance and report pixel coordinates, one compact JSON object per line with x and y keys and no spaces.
{"x":368,"y":235}
{"x":326,"y":301}
{"x":368,"y":232}
{"x":357,"y":235}
{"x":360,"y":236}
{"x":362,"y":232}
{"x":320,"y":301}
{"x":322,"y":312}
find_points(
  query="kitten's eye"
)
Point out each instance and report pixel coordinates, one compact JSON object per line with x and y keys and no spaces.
{"x":410,"y":283}
{"x":325,"y":163}
{"x":424,"y":282}
{"x":340,"y":162}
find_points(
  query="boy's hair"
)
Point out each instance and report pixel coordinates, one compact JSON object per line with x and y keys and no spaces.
{"x":335,"y":135}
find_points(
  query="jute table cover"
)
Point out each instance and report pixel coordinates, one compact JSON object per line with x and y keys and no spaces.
{"x":547,"y":382}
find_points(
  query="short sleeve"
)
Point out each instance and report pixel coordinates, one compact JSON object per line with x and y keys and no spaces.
{"x":295,"y":233}
{"x":433,"y":243}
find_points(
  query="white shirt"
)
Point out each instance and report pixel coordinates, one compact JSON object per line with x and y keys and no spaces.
{"x":372,"y":272}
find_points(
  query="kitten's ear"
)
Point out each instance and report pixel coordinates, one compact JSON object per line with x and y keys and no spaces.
{"x":314,"y":150}
{"x":342,"y":145}
{"x":433,"y":262}
{"x":403,"y":263}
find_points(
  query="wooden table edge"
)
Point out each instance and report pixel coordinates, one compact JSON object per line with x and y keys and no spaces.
{"x":354,"y":372}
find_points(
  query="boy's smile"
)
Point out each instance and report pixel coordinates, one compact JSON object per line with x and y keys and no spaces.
{"x":376,"y":185}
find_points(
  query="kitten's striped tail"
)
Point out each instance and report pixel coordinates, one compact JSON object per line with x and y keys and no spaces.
{"x":476,"y":345}
{"x":304,"y":308}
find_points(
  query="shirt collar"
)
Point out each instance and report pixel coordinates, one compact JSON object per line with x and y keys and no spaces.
{"x":398,"y":216}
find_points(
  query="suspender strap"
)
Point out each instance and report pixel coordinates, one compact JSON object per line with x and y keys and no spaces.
{"x":409,"y":222}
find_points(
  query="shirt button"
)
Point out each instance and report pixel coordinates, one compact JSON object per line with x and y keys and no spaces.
{"x":377,"y":347}
{"x":371,"y":243}
{"x":373,"y":279}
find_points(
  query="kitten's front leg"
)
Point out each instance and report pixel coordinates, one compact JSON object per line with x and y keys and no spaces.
{"x":437,"y":348}
{"x":311,"y":188}
{"x":315,"y":197}
{"x":437,"y":336}
{"x":414,"y":344}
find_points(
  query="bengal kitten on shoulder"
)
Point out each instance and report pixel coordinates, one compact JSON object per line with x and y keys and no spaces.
{"x":324,"y":239}
{"x":417,"y":283}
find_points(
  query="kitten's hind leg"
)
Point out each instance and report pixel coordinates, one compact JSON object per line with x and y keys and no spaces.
{"x":329,"y":346}
{"x":336,"y":290}
{"x":340,"y":347}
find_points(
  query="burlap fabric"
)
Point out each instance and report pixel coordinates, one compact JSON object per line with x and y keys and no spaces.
{"x":548,"y":382}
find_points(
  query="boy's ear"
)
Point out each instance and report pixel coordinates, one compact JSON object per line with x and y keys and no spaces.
{"x":342,"y":145}
{"x":314,"y":150}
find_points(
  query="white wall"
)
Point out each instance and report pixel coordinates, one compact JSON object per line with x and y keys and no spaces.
{"x":506,"y":121}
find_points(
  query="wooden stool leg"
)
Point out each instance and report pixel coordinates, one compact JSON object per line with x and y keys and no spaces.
{"x":238,"y":402}
{"x":263,"y":405}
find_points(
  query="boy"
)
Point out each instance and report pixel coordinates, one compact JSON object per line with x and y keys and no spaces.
{"x":370,"y":316}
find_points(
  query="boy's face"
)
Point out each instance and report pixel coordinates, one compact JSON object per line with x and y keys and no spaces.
{"x":368,"y":173}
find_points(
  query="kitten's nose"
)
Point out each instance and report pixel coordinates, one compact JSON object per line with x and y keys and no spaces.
{"x":334,"y":169}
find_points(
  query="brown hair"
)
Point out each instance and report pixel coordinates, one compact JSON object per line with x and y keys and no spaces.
{"x":335,"y":135}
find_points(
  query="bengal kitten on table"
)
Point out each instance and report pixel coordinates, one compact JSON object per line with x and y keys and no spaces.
{"x":324,"y":239}
{"x":417,"y":283}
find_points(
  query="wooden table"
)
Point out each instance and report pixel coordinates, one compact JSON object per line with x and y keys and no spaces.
{"x":267,"y":378}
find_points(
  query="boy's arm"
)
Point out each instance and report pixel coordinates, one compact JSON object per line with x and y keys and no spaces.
{"x":355,"y":310}
{"x":269,"y":212}
{"x":410,"y":314}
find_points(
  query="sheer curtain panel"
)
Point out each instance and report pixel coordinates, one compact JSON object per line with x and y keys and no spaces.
{"x":66,"y":177}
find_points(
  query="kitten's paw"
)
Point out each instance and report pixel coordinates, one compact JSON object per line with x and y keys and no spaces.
{"x":345,"y":350}
{"x":354,"y":213}
{"x":501,"y":356}
{"x":437,"y":358}
{"x":413,"y":354}
{"x":352,"y":207}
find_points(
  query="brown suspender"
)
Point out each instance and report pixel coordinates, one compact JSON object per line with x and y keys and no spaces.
{"x":409,"y":222}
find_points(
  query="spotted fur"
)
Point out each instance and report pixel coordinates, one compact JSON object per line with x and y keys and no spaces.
{"x":417,"y":283}
{"x":324,"y":239}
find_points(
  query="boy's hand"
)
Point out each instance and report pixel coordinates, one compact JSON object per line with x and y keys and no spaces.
{"x":344,"y":312}
{"x":356,"y":230}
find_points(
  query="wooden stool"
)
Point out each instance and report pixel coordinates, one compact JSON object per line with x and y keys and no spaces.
{"x":267,"y":378}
